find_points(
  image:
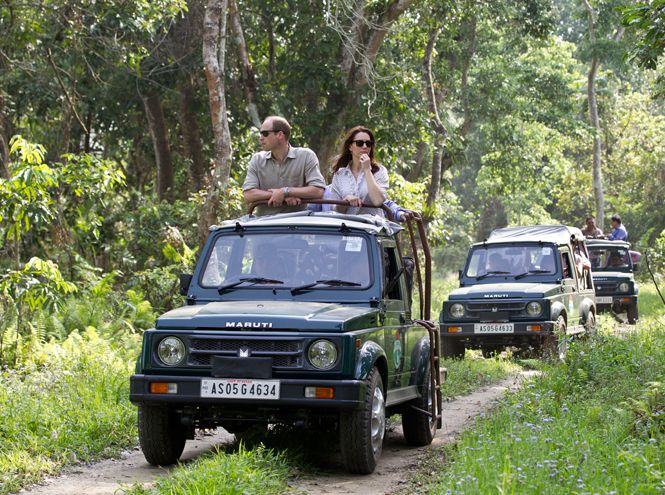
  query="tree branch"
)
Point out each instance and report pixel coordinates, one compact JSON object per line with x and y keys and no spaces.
{"x":62,"y":85}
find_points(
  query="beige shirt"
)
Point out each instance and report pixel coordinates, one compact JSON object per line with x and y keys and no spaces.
{"x":299,"y":169}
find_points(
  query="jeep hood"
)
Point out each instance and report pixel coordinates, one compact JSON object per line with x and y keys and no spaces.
{"x":269,"y":316}
{"x":505,"y":291}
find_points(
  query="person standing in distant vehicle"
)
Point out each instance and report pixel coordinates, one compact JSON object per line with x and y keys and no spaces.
{"x":282,"y":174}
{"x":619,"y":233}
{"x":357,"y":176}
{"x":591,"y":231}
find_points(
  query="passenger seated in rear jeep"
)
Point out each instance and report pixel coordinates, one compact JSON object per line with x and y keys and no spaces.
{"x":267,"y":263}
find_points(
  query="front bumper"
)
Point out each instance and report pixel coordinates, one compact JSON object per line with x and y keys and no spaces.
{"x":618,"y":301}
{"x":348,"y":394}
{"x":519,"y":333}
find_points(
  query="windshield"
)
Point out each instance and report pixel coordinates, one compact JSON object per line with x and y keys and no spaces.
{"x":278,"y":260}
{"x":609,"y":258}
{"x":517,"y":261}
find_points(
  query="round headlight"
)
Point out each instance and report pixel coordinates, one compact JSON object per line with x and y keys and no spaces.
{"x":171,"y":351}
{"x":624,"y":287}
{"x":457,"y":310}
{"x":534,"y":308}
{"x":323,"y":354}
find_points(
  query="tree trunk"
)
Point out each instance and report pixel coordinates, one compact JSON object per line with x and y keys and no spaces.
{"x":191,"y":141}
{"x":247,"y":75}
{"x":599,"y":199}
{"x":214,"y":50}
{"x":435,"y":122}
{"x":160,"y":141}
{"x":4,"y":141}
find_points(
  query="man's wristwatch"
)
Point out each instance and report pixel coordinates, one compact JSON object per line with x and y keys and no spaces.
{"x":286,"y":191}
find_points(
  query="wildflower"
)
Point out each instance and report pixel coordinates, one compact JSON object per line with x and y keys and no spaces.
{"x":533,"y":439}
{"x":539,"y":465}
{"x":652,"y":440}
{"x":54,"y":434}
{"x":518,"y":440}
{"x":564,"y":409}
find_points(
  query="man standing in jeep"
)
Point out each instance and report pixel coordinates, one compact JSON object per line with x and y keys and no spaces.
{"x":282,"y":174}
{"x":591,"y":231}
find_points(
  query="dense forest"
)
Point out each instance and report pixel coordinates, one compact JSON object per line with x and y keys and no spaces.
{"x":126,"y":126}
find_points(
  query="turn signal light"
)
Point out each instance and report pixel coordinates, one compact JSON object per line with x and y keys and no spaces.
{"x":533,"y":328}
{"x":164,"y":388}
{"x":319,"y":392}
{"x":454,"y":329}
{"x":626,"y":299}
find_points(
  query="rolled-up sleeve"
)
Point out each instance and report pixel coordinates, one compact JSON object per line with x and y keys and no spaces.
{"x":313,"y":175}
{"x":252,"y":178}
{"x":381,"y":178}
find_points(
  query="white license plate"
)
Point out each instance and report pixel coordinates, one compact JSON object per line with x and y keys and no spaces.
{"x":238,"y":388}
{"x":493,"y":328}
{"x":603,"y":300}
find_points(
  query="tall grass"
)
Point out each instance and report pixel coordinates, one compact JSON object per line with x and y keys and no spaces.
{"x":246,"y":472}
{"x":593,"y":424}
{"x":649,"y":302}
{"x":69,"y":403}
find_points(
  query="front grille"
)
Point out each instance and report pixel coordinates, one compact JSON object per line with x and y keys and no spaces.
{"x":607,"y":288}
{"x":286,"y":354}
{"x":513,"y":308}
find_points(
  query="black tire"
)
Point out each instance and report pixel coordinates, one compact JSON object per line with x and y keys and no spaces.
{"x":452,"y":349}
{"x":490,"y":352}
{"x":555,"y":345}
{"x":161,"y":434}
{"x":362,"y":431}
{"x":590,"y":324}
{"x":632,"y":313}
{"x":419,"y":429}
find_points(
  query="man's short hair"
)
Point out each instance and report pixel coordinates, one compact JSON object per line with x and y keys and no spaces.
{"x":590,"y":217}
{"x":280,"y":124}
{"x":617,"y":219}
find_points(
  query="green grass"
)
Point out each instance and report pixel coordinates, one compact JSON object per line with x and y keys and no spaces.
{"x":464,"y":376}
{"x":245,"y":472}
{"x":594,"y":424}
{"x":69,"y":404}
{"x":649,"y":302}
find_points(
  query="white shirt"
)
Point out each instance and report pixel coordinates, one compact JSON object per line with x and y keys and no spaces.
{"x":344,"y":183}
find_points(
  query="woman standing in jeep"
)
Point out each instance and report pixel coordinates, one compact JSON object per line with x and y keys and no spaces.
{"x":357,"y":176}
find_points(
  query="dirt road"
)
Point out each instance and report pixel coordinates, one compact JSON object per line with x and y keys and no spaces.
{"x":397,"y":459}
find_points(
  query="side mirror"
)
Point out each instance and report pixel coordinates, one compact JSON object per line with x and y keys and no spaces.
{"x":636,"y":268}
{"x":459,"y":274}
{"x":185,"y":281}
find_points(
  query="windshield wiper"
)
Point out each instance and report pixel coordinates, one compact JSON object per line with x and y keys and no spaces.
{"x":492,"y":273}
{"x":253,"y":280}
{"x":335,"y":282}
{"x":531,"y":272}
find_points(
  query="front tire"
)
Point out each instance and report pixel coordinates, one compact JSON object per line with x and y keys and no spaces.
{"x":452,"y":349}
{"x":362,"y":431}
{"x":161,"y":435}
{"x":632,"y":314}
{"x":418,"y":428}
{"x":555,"y":345}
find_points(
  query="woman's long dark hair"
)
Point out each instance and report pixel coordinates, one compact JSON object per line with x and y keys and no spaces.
{"x":345,"y":157}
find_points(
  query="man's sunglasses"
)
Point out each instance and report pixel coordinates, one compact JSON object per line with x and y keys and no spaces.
{"x":267,"y":133}
{"x":360,"y":143}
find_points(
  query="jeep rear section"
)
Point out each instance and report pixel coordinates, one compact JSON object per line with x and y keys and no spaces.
{"x":301,"y":319}
{"x":518,"y":288}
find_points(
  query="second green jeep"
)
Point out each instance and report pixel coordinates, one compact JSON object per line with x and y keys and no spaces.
{"x":523,"y":287}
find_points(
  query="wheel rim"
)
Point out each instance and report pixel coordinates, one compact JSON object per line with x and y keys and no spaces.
{"x":378,"y":419}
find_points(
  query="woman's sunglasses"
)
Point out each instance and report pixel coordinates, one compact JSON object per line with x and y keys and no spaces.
{"x":360,"y":143}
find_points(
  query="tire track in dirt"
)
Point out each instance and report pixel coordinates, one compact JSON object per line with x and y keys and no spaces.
{"x":396,"y":461}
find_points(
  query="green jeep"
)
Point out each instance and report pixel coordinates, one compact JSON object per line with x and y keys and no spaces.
{"x":302,"y":319}
{"x":521,"y":287}
{"x":613,"y":268}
